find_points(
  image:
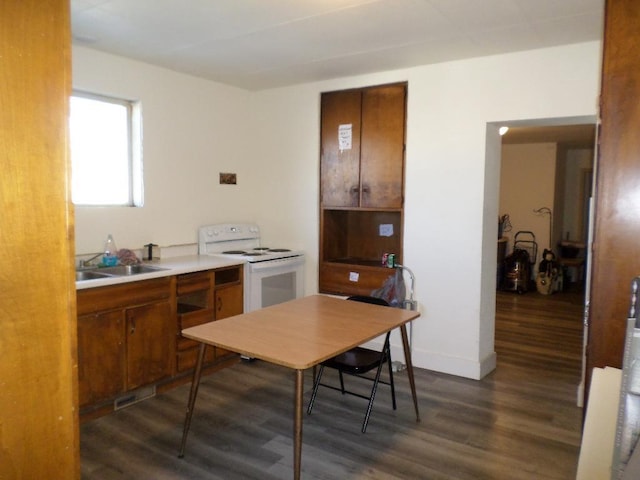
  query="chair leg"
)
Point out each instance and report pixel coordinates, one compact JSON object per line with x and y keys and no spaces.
{"x":391,"y":384}
{"x":341,"y":381}
{"x":386,"y":349}
{"x":371,"y":398}
{"x":315,"y":389}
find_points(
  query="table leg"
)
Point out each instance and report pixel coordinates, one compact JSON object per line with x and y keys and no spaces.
{"x":297,"y":425}
{"x":407,"y":358}
{"x":195,"y":383}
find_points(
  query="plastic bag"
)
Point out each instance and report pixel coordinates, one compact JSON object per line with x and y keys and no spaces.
{"x":393,"y":290}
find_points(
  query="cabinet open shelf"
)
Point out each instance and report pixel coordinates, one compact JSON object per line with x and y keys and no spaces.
{"x":360,"y":237}
{"x":184,"y":308}
{"x":228,"y":276}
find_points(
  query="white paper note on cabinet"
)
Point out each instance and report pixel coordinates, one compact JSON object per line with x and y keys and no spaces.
{"x":345,"y":134}
{"x":386,"y":230}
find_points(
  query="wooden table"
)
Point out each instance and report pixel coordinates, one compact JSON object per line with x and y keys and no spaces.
{"x":299,"y":334}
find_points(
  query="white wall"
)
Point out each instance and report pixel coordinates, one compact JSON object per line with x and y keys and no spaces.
{"x":527,"y":183}
{"x":193,"y":129}
{"x":452,"y":190}
{"x":452,"y":172}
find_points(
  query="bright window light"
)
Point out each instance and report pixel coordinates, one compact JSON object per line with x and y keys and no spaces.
{"x":105,"y":151}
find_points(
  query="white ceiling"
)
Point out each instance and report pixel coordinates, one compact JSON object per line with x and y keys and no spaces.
{"x":259,"y":44}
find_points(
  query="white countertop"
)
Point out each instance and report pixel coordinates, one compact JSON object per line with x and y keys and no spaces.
{"x":171,"y":266}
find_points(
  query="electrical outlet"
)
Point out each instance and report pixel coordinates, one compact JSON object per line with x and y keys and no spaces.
{"x":227,"y":179}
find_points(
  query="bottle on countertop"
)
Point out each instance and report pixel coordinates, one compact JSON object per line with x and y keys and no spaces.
{"x":110,"y":257}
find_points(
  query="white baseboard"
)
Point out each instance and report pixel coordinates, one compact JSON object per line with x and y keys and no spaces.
{"x":461,"y":367}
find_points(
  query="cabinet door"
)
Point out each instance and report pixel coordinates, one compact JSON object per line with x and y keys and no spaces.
{"x":151,"y":333}
{"x":229,"y":302}
{"x":340,"y":168}
{"x":101,"y":359}
{"x":382,"y":147}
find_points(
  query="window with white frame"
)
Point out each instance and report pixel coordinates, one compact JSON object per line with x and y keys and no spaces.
{"x":106,"y":153}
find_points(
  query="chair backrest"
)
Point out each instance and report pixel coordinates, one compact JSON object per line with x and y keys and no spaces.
{"x":367,"y":299}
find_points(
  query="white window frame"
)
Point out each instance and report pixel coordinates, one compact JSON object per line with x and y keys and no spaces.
{"x":134,"y":180}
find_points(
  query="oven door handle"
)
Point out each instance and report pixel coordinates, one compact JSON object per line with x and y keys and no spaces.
{"x":278,"y":263}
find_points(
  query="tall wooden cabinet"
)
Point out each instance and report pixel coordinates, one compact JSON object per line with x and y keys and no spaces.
{"x":617,"y":208}
{"x":361,"y":186}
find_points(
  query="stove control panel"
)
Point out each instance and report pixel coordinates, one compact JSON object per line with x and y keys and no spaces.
{"x":211,"y":238}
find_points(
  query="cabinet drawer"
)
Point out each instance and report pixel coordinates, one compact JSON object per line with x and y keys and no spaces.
{"x":187,"y":359}
{"x":186,"y":344}
{"x":192,"y":318}
{"x":124,"y":295}
{"x":193,"y":282}
{"x":195,"y":317}
{"x":337,"y":278}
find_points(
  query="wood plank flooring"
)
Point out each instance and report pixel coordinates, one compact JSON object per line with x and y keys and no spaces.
{"x":520,"y":422}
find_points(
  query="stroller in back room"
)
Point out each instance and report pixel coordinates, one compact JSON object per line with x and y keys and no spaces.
{"x":518,"y":265}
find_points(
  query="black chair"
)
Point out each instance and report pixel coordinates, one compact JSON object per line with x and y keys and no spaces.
{"x":357,"y":362}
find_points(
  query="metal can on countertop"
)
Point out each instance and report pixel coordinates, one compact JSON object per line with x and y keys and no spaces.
{"x":389,"y":260}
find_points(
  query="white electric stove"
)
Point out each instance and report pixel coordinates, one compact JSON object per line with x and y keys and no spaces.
{"x":271,"y":275}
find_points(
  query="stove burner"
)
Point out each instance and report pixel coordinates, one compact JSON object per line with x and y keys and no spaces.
{"x":253,"y":254}
{"x":234,"y":252}
{"x":261,"y":249}
{"x":279,"y":250}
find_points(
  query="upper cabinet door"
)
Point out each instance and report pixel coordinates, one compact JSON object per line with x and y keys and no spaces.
{"x":362,"y":158}
{"x":382,"y":150}
{"x":340,"y":144}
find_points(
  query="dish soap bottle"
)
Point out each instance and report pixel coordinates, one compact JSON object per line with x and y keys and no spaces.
{"x":110,"y":257}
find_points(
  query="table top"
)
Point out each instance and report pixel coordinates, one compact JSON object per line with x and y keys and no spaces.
{"x":301,"y":333}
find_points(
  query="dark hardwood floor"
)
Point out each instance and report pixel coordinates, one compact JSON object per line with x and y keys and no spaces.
{"x":520,"y":422}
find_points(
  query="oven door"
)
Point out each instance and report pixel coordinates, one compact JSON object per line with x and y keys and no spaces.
{"x":272,"y":282}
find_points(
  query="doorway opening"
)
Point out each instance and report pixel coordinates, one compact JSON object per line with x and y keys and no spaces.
{"x":545,"y":186}
{"x":553,"y":163}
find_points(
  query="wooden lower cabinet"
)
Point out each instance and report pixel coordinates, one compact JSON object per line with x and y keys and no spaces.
{"x":129,"y":334}
{"x":204,"y":297}
{"x":352,"y":248}
{"x":122,"y":350}
{"x":125,"y":338}
{"x":352,"y":279}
